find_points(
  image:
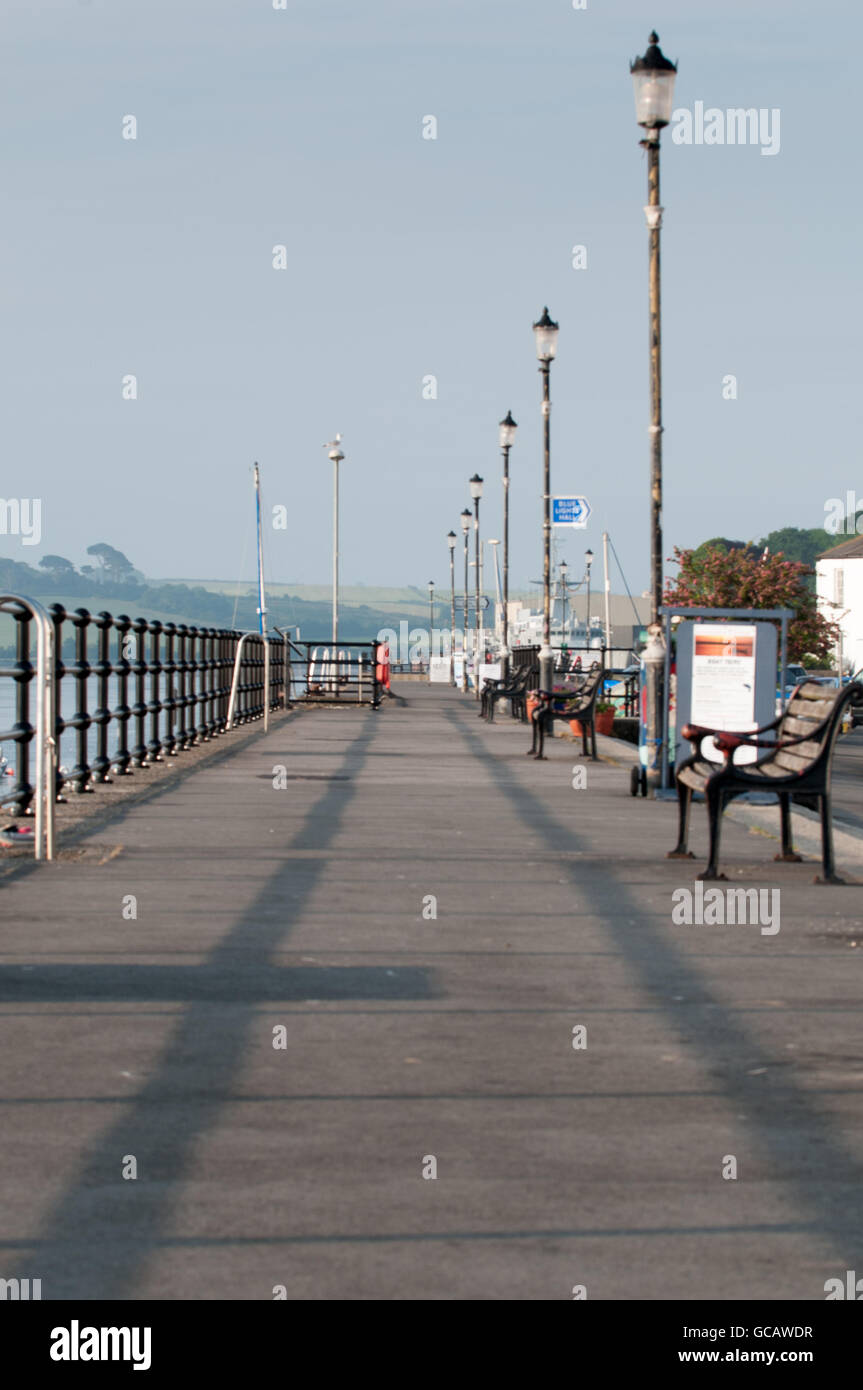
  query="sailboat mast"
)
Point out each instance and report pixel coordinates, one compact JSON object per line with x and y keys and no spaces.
{"x":262,"y":607}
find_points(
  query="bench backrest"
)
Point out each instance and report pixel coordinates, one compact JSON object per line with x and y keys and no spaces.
{"x":583,"y":697}
{"x":813,"y":715}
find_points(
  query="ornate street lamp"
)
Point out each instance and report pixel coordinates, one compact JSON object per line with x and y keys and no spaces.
{"x":451,"y":542}
{"x":466,"y":519}
{"x":476,"y":494}
{"x":588,"y":561}
{"x":653,"y":84}
{"x":546,"y":331}
{"x":506,"y":436}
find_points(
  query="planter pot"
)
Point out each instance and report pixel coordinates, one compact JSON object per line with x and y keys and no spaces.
{"x":604,"y":721}
{"x":575,"y":728}
{"x":531,"y":705}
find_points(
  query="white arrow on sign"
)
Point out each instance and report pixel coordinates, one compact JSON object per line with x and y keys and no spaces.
{"x":570,"y":511}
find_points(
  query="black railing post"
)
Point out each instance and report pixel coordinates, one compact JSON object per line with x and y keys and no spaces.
{"x":102,"y":714}
{"x":139,"y":709}
{"x":154,"y":747}
{"x":22,"y":728}
{"x":58,"y":616}
{"x":199,"y":678}
{"x":169,"y":742}
{"x":210,"y":681}
{"x":81,"y":720}
{"x":122,"y":757}
{"x":181,"y":667}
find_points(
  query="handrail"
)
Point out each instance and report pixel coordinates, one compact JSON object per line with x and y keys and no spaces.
{"x":46,"y":748}
{"x":110,"y":675}
{"x":229,"y":724}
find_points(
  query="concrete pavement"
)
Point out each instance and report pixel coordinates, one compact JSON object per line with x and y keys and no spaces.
{"x":428,"y":915}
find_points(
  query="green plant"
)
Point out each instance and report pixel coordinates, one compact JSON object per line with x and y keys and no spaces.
{"x":603,"y":706}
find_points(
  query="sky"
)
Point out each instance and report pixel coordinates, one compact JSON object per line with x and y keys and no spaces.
{"x":408,"y":258}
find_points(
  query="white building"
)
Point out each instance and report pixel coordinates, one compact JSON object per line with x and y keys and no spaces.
{"x":839,"y":586}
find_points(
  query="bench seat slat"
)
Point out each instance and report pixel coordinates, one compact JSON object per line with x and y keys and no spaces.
{"x":811,"y":690}
{"x":811,"y":709}
{"x":789,"y":759}
{"x":791,"y":727}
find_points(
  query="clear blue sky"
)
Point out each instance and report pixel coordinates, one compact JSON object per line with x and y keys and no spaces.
{"x":409,"y":257}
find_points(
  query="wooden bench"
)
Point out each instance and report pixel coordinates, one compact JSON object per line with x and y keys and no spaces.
{"x":579,"y":705}
{"x":520,"y":681}
{"x":797,"y":768}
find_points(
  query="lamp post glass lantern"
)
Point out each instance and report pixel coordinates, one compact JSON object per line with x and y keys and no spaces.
{"x":545,"y":333}
{"x":506,"y":437}
{"x":653,"y":86}
{"x":466,"y":519}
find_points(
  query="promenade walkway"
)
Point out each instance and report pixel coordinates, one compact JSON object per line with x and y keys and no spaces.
{"x":411,"y":1036}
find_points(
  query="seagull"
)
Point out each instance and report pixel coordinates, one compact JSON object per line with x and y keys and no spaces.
{"x":334,"y":445}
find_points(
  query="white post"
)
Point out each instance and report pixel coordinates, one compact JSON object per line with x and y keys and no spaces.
{"x":335,"y":552}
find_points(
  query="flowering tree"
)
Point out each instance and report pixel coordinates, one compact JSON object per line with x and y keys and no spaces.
{"x":715,"y":578}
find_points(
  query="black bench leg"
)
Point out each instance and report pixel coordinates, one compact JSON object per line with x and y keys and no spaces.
{"x":593,"y":740}
{"x":540,"y":734}
{"x":828,"y":863}
{"x":715,"y":808}
{"x":788,"y":855}
{"x":531,"y":752}
{"x":684,"y":802}
{"x":491,"y":709}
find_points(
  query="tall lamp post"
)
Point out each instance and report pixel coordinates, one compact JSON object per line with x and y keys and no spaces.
{"x":466,"y":520}
{"x":507,"y":428}
{"x":588,"y":561}
{"x":476,"y":494}
{"x":451,"y":542}
{"x":564,"y":573}
{"x":546,"y":331}
{"x":653,"y":83}
{"x":334,"y":449}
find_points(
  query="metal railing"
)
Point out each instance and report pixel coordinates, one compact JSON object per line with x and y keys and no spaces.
{"x":30,"y":612}
{"x":118,"y":681}
{"x":346,"y":674}
{"x":627,"y":702}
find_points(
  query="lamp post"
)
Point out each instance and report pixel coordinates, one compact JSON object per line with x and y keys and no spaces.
{"x":451,"y":542}
{"x":476,"y":494}
{"x":507,"y":429}
{"x":431,"y":621}
{"x":466,"y":519}
{"x":564,"y":571}
{"x":653,"y":84}
{"x":334,"y":449}
{"x":546,"y":331}
{"x":588,"y":561}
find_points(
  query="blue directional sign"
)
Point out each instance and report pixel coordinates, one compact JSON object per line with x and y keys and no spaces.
{"x":484,"y":602}
{"x":570,"y":511}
